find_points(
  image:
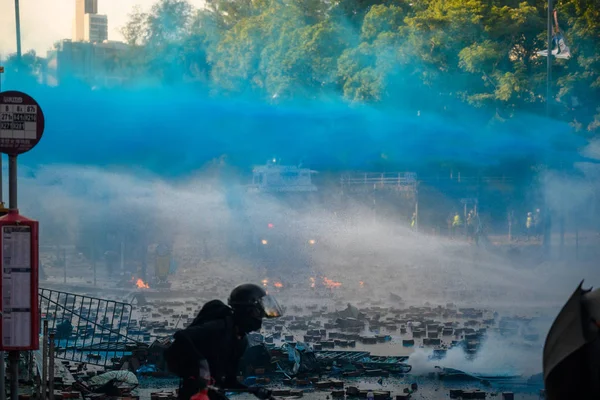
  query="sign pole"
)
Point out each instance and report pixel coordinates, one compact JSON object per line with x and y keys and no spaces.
{"x":1,"y":188}
{"x":12,"y":182}
{"x":21,"y":128}
{"x":13,"y":356}
{"x":12,"y":205}
{"x":2,"y":376}
{"x":2,"y":364}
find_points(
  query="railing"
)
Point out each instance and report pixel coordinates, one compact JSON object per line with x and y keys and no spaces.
{"x":469,"y":179}
{"x":87,"y":329}
{"x":281,"y":188}
{"x":403,"y":178}
{"x":410,"y":179}
{"x":404,"y":182}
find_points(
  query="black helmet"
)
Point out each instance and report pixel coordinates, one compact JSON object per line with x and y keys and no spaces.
{"x":248,"y":296}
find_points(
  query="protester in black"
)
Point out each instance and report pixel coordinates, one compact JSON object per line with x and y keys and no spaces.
{"x":208,"y":352}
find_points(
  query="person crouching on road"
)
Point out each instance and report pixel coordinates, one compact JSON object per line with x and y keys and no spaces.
{"x":207,"y":353}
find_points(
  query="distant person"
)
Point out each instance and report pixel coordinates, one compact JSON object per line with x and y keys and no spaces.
{"x":470,"y":225}
{"x":207,"y":353}
{"x":64,"y":330}
{"x":478,"y":229}
{"x":413,"y":221}
{"x":537,"y":223}
{"x":529,"y":225}
{"x":456,"y":223}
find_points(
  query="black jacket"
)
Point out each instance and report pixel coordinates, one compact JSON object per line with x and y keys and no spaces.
{"x":211,"y":337}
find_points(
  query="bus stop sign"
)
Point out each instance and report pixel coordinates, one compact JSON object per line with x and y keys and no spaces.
{"x":21,"y":123}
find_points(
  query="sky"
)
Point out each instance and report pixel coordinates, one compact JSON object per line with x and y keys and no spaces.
{"x":43,"y":22}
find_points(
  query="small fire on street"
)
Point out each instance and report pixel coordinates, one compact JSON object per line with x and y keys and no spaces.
{"x":141,"y":284}
{"x":331,"y":283}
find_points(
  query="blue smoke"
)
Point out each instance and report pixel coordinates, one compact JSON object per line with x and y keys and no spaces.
{"x":173,"y":132}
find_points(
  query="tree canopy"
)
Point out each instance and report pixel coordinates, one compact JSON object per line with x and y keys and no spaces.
{"x":419,"y":55}
{"x":426,"y":55}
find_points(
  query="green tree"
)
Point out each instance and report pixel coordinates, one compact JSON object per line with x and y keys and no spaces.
{"x":578,"y":87}
{"x":419,"y":55}
{"x":166,"y":44}
{"x":28,"y":70}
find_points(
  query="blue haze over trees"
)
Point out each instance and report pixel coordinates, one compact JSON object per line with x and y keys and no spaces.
{"x":347,"y":84}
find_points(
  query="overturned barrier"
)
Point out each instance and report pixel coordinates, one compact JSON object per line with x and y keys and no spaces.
{"x":87,"y":329}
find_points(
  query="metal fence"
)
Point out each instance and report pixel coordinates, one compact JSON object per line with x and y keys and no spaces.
{"x":87,"y":329}
{"x":396,"y":178}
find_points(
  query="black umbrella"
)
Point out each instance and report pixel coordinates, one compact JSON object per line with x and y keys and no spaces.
{"x":572,"y":349}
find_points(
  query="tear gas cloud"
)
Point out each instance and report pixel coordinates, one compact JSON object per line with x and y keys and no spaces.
{"x":148,"y":159}
{"x":175,"y":131}
{"x":496,"y":357}
{"x":76,"y":203}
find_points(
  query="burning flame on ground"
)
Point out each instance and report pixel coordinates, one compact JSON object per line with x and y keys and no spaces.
{"x":141,"y":284}
{"x":361,"y":283}
{"x":331,"y":284}
{"x":278,"y":284}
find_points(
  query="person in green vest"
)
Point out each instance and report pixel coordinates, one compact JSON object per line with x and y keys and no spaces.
{"x":529,"y":225}
{"x":456,"y":223}
{"x":413,"y":221}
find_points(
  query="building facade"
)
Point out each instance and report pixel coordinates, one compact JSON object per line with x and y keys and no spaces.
{"x":95,"y":63}
{"x":95,"y":28}
{"x":88,"y":24}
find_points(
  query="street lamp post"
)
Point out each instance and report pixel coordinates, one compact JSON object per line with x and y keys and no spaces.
{"x":18,"y":26}
{"x":549,"y":61}
{"x":546,"y":216}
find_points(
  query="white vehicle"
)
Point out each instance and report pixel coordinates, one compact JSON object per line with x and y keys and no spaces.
{"x":275,"y":178}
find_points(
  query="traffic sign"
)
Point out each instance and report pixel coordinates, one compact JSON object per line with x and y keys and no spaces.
{"x":21,"y":123}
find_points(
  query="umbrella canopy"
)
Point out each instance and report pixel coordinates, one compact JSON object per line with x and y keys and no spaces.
{"x":572,"y":348}
{"x":566,"y":334}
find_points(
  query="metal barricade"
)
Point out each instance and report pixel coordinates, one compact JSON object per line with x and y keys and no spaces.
{"x":87,"y":329}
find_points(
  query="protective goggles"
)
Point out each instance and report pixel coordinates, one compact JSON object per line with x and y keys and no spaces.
{"x":270,"y":306}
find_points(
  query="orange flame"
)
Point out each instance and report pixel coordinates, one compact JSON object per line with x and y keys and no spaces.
{"x":331,"y":284}
{"x":278,"y":284}
{"x":361,"y":283}
{"x":141,"y":284}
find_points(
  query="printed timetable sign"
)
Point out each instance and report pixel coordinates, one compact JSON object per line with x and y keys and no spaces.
{"x":19,"y":273}
{"x":21,"y":123}
{"x":16,"y":286}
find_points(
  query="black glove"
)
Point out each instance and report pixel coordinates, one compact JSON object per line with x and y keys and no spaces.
{"x":261,"y":393}
{"x":215,"y":394}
